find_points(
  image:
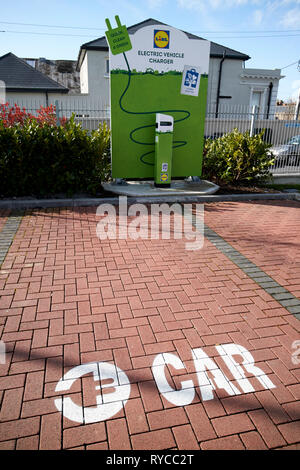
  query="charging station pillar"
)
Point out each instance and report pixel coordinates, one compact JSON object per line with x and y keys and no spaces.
{"x":163,"y":150}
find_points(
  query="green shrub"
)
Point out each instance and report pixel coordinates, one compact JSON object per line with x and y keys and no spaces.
{"x":237,"y":158}
{"x":46,"y":159}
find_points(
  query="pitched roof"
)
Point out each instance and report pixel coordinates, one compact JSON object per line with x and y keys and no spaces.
{"x":216,"y":50}
{"x":20,"y":76}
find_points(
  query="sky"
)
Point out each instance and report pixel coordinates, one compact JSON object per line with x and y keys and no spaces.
{"x":266,"y":30}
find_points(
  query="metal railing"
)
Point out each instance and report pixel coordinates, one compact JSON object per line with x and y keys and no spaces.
{"x":278,"y":123}
{"x":281,"y":130}
{"x":89,"y":114}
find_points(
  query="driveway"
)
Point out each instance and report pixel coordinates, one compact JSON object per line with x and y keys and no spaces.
{"x":124,"y":344}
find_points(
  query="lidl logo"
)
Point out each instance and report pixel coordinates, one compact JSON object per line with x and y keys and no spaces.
{"x":161,"y":39}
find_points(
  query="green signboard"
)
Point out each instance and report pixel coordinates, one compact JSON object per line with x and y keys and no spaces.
{"x":118,"y":38}
{"x":164,"y":72}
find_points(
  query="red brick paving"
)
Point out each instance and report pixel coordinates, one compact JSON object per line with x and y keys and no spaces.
{"x":69,"y":299}
{"x":266,"y":232}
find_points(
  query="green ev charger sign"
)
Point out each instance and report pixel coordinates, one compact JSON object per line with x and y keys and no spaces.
{"x":118,"y":38}
{"x":158,"y":69}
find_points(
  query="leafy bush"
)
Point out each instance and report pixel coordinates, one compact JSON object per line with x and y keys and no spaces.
{"x":39,"y":158}
{"x":11,"y":115}
{"x":237,"y":158}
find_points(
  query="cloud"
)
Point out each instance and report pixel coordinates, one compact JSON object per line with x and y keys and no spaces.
{"x":202,"y":5}
{"x":292,"y":18}
{"x":257,"y":17}
{"x":153,"y":4}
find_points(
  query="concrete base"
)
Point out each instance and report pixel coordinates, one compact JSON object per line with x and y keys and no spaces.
{"x":283,"y":178}
{"x":147,"y":188}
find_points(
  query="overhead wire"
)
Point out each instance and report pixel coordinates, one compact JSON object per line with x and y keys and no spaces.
{"x":88,"y":28}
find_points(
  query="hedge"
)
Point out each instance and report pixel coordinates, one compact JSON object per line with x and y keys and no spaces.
{"x":39,"y":158}
{"x":237,"y":158}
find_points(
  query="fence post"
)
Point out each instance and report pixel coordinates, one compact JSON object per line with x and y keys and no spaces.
{"x":297,"y":108}
{"x":253,"y":118}
{"x":57,"y":112}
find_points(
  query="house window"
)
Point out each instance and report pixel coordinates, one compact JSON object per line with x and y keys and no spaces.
{"x":256,"y":99}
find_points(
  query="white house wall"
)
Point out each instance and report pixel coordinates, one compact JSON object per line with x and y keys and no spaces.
{"x":30,"y":101}
{"x":212,"y":80}
{"x":230,"y":82}
{"x":84,"y":82}
{"x":262,"y":85}
{"x":97,"y":76}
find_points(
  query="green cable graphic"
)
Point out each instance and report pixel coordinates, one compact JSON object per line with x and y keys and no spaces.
{"x":178,"y":142}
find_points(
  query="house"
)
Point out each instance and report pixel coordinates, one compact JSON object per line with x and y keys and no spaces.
{"x":25,"y":85}
{"x":84,"y":89}
{"x":229,"y":81}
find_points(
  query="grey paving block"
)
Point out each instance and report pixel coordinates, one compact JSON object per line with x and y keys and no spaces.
{"x":237,"y":258}
{"x":246,"y":264}
{"x":8,"y":233}
{"x":251,"y":268}
{"x":283,"y":296}
{"x":276,"y":289}
{"x":295,"y":309}
{"x":290,"y":302}
{"x":267,"y":285}
{"x":261,"y":279}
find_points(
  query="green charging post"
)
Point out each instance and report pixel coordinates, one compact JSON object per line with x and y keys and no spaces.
{"x":117,"y":38}
{"x":163,"y":150}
